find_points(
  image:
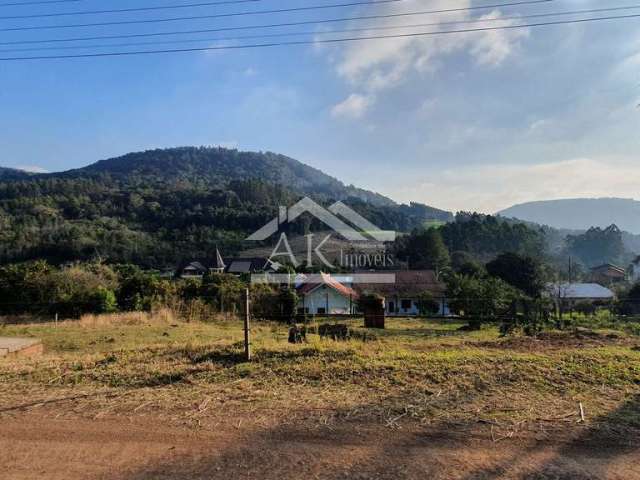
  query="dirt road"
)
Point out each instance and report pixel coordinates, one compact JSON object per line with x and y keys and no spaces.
{"x":37,"y":447}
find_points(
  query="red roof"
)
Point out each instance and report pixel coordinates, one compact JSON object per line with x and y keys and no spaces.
{"x":329,"y":281}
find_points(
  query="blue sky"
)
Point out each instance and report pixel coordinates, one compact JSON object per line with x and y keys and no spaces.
{"x":475,"y":121}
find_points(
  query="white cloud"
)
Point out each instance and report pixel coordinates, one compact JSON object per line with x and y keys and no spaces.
{"x":376,"y":65}
{"x":492,"y":47}
{"x":32,"y":168}
{"x":490,"y":188}
{"x":354,"y":106}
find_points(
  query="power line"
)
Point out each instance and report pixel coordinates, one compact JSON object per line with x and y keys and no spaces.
{"x":128,"y":10}
{"x":284,"y":24}
{"x":325,"y":41}
{"x":232,"y":14}
{"x":346,"y":30}
{"x":38,"y":2}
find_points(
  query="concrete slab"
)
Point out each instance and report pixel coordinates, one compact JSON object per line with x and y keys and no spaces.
{"x":20,"y":346}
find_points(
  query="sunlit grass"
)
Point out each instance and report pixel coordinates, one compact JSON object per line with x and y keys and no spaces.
{"x":424,"y":365}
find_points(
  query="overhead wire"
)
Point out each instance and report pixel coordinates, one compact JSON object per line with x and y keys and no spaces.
{"x":352,"y":3}
{"x":283,"y":24}
{"x":328,"y":32}
{"x":323,"y":41}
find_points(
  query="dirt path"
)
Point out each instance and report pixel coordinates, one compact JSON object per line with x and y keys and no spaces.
{"x":34,"y":447}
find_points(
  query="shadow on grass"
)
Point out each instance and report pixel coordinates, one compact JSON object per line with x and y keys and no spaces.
{"x":366,"y":448}
{"x":588,"y":455}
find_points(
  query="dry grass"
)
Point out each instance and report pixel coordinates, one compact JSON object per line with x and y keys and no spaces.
{"x":415,"y":370}
{"x":162,"y":316}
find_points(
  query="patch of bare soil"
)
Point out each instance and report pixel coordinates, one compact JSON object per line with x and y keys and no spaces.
{"x":581,"y":338}
{"x":36,"y":447}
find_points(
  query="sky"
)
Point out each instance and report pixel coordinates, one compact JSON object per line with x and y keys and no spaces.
{"x":470,"y":121}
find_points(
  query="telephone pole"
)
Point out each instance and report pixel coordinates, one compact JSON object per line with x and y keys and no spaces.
{"x":247,"y":330}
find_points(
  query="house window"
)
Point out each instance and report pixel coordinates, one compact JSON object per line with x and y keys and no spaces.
{"x":405,"y":304}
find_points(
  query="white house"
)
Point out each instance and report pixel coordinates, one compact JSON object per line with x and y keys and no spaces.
{"x":571,"y":293}
{"x":324,"y":295}
{"x":402,"y":296}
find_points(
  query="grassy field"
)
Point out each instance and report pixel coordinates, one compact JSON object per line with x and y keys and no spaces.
{"x":415,"y":371}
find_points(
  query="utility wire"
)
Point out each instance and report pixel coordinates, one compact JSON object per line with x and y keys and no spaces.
{"x":38,"y":2}
{"x":329,"y":32}
{"x":275,"y":25}
{"x":128,"y":10}
{"x":323,"y":41}
{"x":233,"y":14}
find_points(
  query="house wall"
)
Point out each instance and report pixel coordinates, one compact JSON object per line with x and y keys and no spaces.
{"x":393,"y":306}
{"x":317,"y":300}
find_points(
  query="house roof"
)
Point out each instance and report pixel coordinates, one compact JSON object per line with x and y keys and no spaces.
{"x":247,"y":265}
{"x":580,"y":291}
{"x":326,"y":279}
{"x":195,"y":266}
{"x":408,"y":283}
{"x":609,"y":266}
{"x":218,"y":263}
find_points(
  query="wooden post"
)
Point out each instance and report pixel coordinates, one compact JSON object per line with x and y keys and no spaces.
{"x":56,"y":319}
{"x":247,"y":337}
{"x":327,"y":305}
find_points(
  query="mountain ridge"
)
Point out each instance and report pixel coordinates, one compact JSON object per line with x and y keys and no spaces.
{"x":161,"y":206}
{"x":579,"y":213}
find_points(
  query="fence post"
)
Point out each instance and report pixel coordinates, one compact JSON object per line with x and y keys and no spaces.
{"x":247,"y":336}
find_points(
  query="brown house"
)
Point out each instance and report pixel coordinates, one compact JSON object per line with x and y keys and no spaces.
{"x":401,"y":297}
{"x":607,"y":274}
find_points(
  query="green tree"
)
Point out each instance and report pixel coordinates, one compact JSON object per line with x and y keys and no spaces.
{"x":597,"y":245}
{"x":103,"y":300}
{"x":521,"y":272}
{"x":480,"y":299}
{"x":427,"y":305}
{"x":424,"y":248}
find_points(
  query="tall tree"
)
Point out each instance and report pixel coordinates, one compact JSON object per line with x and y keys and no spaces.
{"x":424,"y":248}
{"x":597,"y":245}
{"x":521,"y":272}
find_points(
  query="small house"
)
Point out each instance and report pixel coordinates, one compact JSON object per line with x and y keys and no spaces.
{"x":402,"y":297}
{"x":192,"y":270}
{"x":239,"y":266}
{"x":608,"y":274}
{"x":324,"y":295}
{"x":572,"y":293}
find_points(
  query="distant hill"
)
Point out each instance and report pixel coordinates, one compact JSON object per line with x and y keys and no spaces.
{"x":13,"y":174}
{"x":160,"y":207}
{"x":580,"y":213}
{"x":217,"y":166}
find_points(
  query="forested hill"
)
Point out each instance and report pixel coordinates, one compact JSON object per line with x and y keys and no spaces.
{"x":160,"y":207}
{"x":215,"y":167}
{"x":13,"y":174}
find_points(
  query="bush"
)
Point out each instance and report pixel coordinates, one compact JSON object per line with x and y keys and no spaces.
{"x":585,"y":308}
{"x":427,"y":305}
{"x":103,"y":301}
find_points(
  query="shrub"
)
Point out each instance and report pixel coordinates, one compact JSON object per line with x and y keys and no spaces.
{"x":427,"y":305}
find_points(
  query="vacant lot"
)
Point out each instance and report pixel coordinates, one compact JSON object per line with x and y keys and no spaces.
{"x":151,"y":397}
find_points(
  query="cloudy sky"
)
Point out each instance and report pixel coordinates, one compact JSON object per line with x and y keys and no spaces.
{"x":472,"y":121}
